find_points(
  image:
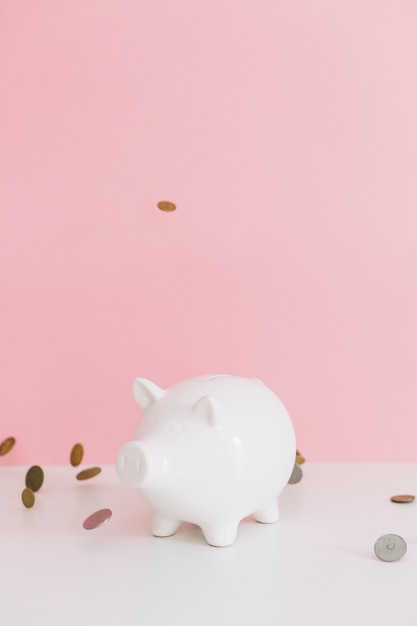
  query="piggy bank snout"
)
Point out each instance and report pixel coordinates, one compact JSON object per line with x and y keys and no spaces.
{"x":131,"y":465}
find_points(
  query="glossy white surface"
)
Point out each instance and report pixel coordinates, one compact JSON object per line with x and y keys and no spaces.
{"x":315,"y":567}
{"x":209,"y":450}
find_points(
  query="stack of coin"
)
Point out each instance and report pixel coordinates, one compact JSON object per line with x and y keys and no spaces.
{"x":7,"y":445}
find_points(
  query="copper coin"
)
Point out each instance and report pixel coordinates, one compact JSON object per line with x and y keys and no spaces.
{"x":90,"y":472}
{"x":77,"y":454}
{"x":390,"y":547}
{"x":7,"y":445}
{"x":299,"y":459}
{"x":34,"y":478}
{"x":296,"y":476}
{"x":402,"y":498}
{"x":166,"y":206}
{"x":97,"y":519}
{"x":28,"y":497}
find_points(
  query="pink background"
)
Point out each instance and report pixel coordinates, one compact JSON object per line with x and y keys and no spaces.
{"x":286,"y":133}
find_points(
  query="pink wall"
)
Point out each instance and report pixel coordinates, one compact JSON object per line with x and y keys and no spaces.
{"x":286,"y":133}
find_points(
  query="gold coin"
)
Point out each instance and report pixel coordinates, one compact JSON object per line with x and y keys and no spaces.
{"x":90,"y":472}
{"x":164,"y":205}
{"x":77,"y":454}
{"x":28,"y":497}
{"x":299,"y":459}
{"x":402,"y":498}
{"x":7,"y":445}
{"x":34,"y":478}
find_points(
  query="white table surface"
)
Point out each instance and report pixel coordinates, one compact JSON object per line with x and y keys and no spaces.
{"x":316,"y":566}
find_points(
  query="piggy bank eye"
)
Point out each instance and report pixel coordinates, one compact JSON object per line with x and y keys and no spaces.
{"x":174,"y":426}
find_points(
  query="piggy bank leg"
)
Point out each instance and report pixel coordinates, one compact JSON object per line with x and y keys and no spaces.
{"x":163,"y":526}
{"x":220,"y":534}
{"x":267,"y":514}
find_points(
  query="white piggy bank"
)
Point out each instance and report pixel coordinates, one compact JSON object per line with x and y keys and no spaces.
{"x":209,"y":450}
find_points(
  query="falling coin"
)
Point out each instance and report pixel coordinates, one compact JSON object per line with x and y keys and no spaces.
{"x":97,"y":519}
{"x":7,"y":445}
{"x":299,"y":459}
{"x":390,"y":547}
{"x":296,"y":475}
{"x":34,"y":478}
{"x":166,"y":206}
{"x":77,"y":454}
{"x":90,"y":472}
{"x":28,"y":497}
{"x":402,"y":498}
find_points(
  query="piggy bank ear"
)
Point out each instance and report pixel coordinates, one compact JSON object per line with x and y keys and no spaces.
{"x":206,"y":410}
{"x":146,"y":392}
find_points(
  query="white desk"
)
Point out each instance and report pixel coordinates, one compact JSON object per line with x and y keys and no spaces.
{"x":316,"y":566}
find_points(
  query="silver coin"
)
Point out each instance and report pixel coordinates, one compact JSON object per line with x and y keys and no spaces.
{"x":296,"y":476}
{"x":97,"y":519}
{"x":390,"y":547}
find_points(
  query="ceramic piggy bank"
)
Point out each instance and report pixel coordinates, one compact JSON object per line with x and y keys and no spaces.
{"x":209,"y":450}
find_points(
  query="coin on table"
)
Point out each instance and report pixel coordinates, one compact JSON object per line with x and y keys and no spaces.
{"x":7,"y":445}
{"x":296,"y":476}
{"x":402,"y":498}
{"x":28,"y":497}
{"x":390,"y":547}
{"x":34,"y":478}
{"x":166,"y":206}
{"x":299,"y":459}
{"x":90,"y":472}
{"x":97,"y":519}
{"x":77,"y":454}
